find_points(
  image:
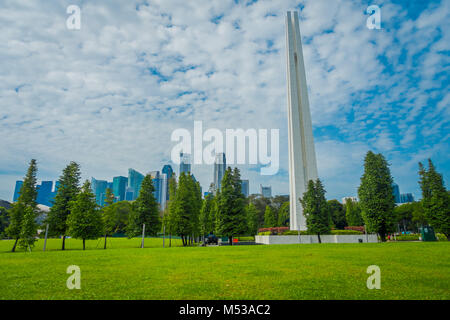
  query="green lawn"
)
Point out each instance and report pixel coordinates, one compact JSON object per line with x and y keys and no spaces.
{"x":314,"y":271}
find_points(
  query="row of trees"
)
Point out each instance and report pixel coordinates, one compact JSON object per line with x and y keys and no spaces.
{"x":376,"y":208}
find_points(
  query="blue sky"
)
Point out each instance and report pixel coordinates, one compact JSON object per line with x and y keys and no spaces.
{"x":109,"y":95}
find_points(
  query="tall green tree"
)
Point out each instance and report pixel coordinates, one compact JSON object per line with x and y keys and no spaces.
{"x":337,"y":212}
{"x":252,"y":219}
{"x":25,"y":203}
{"x":28,"y":230}
{"x":68,"y":189}
{"x":4,"y":221}
{"x":353,"y":213}
{"x":315,"y":209}
{"x":284,"y":215}
{"x":170,"y":215}
{"x":146,"y":211}
{"x":270,"y":220}
{"x":375,"y":194}
{"x":435,"y":198}
{"x":207,"y":217}
{"x":109,"y":216}
{"x":85,"y":219}
{"x":230,"y":215}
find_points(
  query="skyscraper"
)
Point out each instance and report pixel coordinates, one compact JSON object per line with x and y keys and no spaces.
{"x":185,"y":163}
{"x":168,"y":171}
{"x":99,"y":190}
{"x":220,"y":164}
{"x":406,"y":198}
{"x":119,"y":187}
{"x":396,"y":192}
{"x":245,"y":188}
{"x":302,"y":155}
{"x":134,"y":183}
{"x":266,"y":192}
{"x":45,"y":193}
{"x":17,"y":188}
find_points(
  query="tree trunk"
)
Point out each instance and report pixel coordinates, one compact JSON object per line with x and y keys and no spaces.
{"x":84,"y":244}
{"x":15,"y":244}
{"x":383,"y":237}
{"x":170,"y":240}
{"x":448,"y":237}
{"x":64,"y":242}
{"x":230,"y":240}
{"x":106,"y":236}
{"x":318,"y":236}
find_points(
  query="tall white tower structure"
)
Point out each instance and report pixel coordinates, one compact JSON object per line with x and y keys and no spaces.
{"x":302,"y":155}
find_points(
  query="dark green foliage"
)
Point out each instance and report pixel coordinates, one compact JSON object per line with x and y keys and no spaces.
{"x":28,"y":230}
{"x":270,"y":220}
{"x":337,"y":212}
{"x":284,"y":215}
{"x":315,"y":209}
{"x":85,"y":219}
{"x":145,"y":210}
{"x":207,"y":215}
{"x":4,"y":221}
{"x":410,"y":216}
{"x":353,"y":214}
{"x":435,"y":199}
{"x":25,"y":204}
{"x":252,"y":219}
{"x":231,"y":215}
{"x":109,"y":217}
{"x":260,"y":205}
{"x":375,"y":194}
{"x":67,"y":191}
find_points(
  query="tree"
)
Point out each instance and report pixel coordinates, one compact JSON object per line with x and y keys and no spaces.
{"x":375,"y":194}
{"x":170,"y":215}
{"x":315,"y":209}
{"x":230,"y":215}
{"x":337,"y":213}
{"x":353,"y":213}
{"x":25,"y":203}
{"x":68,"y":190}
{"x":252,"y":219}
{"x":109,"y":215}
{"x":270,"y":220}
{"x":284,"y":215}
{"x":435,"y":199}
{"x":4,"y":221}
{"x":260,"y":205}
{"x":85,"y":219}
{"x":29,"y":229}
{"x":207,"y":218}
{"x":146,"y":211}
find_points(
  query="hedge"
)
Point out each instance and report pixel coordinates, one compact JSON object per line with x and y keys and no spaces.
{"x":295,"y":232}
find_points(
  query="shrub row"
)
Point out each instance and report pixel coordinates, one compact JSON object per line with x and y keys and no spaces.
{"x":294,"y":233}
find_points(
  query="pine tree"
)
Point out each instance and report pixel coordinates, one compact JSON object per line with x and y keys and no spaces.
{"x":353,"y":213}
{"x":252,"y":219}
{"x":435,"y":199}
{"x":146,"y":211}
{"x":270,"y":220}
{"x":28,"y":230}
{"x":169,"y":218}
{"x":230,"y":215}
{"x":284,"y":215}
{"x":375,"y":194}
{"x":25,"y":203}
{"x":338,"y":213}
{"x":85,"y":219}
{"x":207,"y":219}
{"x":68,"y":190}
{"x":110,"y":221}
{"x":315,"y":209}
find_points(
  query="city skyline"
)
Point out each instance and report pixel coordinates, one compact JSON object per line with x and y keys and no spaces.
{"x":62,"y":95}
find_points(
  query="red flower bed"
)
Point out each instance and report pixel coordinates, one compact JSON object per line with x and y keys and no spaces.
{"x":357,"y":228}
{"x":274,"y":230}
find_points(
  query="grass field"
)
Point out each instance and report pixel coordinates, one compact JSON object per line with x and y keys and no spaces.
{"x":314,"y":271}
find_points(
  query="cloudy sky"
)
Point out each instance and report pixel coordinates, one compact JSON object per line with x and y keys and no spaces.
{"x":110,"y":94}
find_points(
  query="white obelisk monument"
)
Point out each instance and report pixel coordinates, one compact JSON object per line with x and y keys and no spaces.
{"x":302,"y":155}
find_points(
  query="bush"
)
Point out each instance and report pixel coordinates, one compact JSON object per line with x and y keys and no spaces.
{"x":406,"y":237}
{"x":295,"y":232}
{"x":346,"y":232}
{"x":265,"y":233}
{"x":274,"y":230}
{"x":356,"y":228}
{"x":441,"y":237}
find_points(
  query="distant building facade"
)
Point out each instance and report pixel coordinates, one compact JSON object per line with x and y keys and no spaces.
{"x":245,"y":188}
{"x":220,"y":165}
{"x":266,"y":192}
{"x":185,"y":163}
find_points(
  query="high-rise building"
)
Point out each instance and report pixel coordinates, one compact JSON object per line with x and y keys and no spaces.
{"x":406,"y":198}
{"x":185,"y":163}
{"x":134,"y":182}
{"x":45,"y":193}
{"x":220,"y":165}
{"x":160,"y":183}
{"x":168,"y":171}
{"x":266,"y":192}
{"x":396,"y":192}
{"x":245,"y":187}
{"x":19,"y":184}
{"x":99,"y":190}
{"x":119,"y":187}
{"x":302,"y":155}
